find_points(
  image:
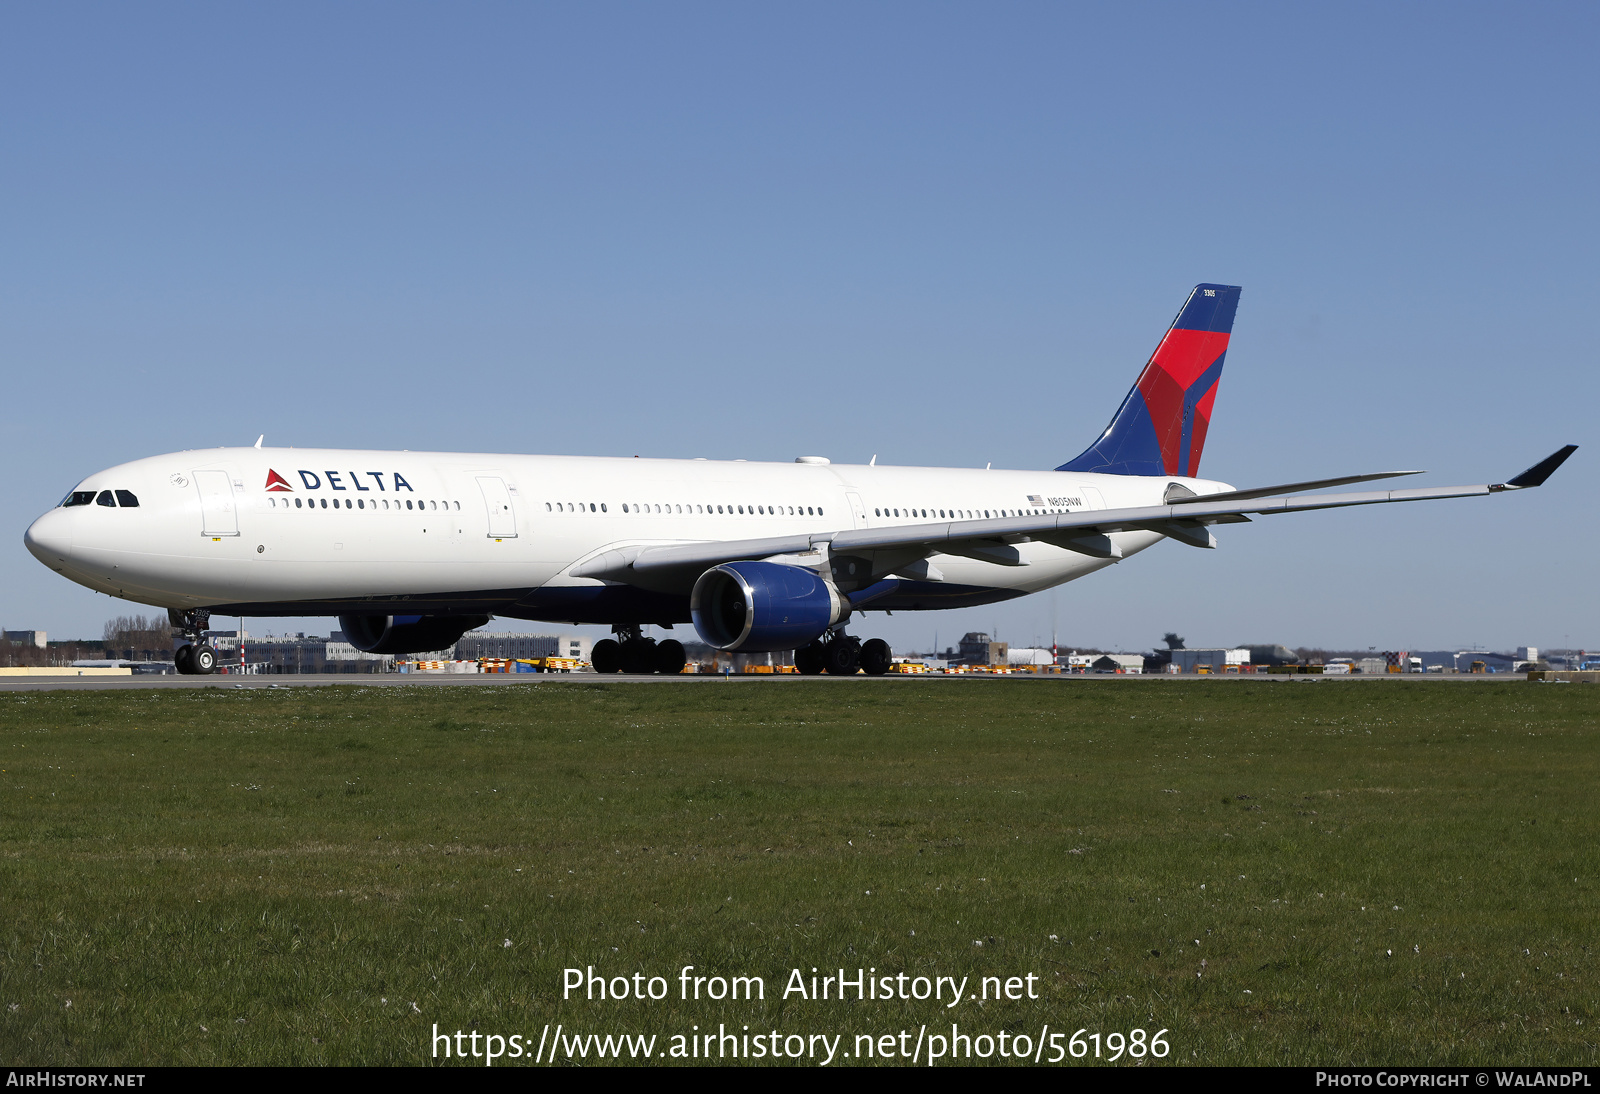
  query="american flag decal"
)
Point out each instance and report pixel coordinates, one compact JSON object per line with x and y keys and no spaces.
{"x":1036,"y":500}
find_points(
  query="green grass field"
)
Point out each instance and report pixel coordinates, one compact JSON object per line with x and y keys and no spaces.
{"x":1308,"y":873}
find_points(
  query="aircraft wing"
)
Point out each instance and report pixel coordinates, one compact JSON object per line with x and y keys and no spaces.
{"x":1185,"y":519}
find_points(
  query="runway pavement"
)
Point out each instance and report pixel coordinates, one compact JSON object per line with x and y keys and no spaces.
{"x":447,"y":680}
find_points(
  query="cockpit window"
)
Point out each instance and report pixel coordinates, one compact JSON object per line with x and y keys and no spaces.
{"x":78,"y":497}
{"x":126,"y":499}
{"x":105,"y":498}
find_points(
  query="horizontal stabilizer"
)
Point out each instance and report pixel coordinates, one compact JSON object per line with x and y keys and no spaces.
{"x":1289,"y":488}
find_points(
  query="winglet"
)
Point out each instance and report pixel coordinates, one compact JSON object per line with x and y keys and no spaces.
{"x":1535,"y":475}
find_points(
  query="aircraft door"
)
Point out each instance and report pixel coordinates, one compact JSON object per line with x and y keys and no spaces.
{"x":497,"y":499}
{"x":219,"y":513}
{"x":858,"y":509}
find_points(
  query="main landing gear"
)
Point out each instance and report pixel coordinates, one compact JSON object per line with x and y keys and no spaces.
{"x":193,"y":655}
{"x":632,"y":653}
{"x":844,"y":655}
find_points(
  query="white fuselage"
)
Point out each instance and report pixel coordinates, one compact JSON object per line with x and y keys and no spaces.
{"x":275,"y":528}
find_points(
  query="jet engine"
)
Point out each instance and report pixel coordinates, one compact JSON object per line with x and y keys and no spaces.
{"x":757,"y":607}
{"x":406,"y":633}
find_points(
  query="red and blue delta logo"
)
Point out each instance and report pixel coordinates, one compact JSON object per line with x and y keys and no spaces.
{"x":276,"y":482}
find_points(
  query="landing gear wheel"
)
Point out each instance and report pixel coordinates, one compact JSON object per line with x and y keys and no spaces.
{"x":182,"y":662}
{"x":875,"y":657}
{"x":203,"y":660}
{"x":639,"y":655}
{"x":606,"y":656}
{"x":842,"y":656}
{"x":670,"y":657}
{"x":808,"y":659}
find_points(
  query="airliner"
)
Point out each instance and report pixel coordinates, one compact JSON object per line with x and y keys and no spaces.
{"x":410,"y":550}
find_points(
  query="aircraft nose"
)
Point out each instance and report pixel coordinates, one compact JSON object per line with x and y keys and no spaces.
{"x":49,"y":539}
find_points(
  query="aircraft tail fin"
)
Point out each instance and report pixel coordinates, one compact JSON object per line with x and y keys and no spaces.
{"x":1160,"y":429}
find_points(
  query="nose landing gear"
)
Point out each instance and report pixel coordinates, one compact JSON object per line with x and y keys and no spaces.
{"x":193,"y":655}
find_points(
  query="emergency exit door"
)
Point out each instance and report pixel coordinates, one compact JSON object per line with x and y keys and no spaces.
{"x":502,"y":517}
{"x":219,"y":514}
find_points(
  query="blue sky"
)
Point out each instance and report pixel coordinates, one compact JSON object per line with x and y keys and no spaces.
{"x":945,"y":234}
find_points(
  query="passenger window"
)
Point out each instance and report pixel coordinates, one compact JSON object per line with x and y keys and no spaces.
{"x":408,"y":504}
{"x":297,"y":503}
{"x":126,"y":499}
{"x":106,"y":499}
{"x":361,"y":503}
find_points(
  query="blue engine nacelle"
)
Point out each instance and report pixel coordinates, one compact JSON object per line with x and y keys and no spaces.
{"x":407,"y":633}
{"x":757,"y":607}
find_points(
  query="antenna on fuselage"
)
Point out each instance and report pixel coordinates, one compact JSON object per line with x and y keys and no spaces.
{"x":260,"y":439}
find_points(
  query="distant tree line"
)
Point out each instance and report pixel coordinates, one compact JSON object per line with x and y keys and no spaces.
{"x":138,"y":638}
{"x":131,"y":637}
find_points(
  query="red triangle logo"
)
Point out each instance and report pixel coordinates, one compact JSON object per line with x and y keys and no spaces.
{"x":277,"y":482}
